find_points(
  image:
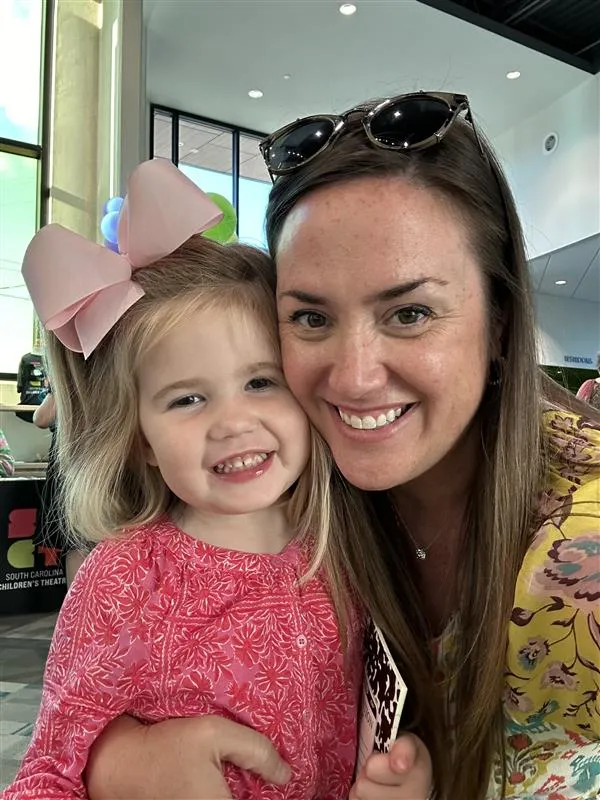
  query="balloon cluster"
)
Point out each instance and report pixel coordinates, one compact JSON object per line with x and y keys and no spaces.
{"x":223,"y":231}
{"x":109,"y":224}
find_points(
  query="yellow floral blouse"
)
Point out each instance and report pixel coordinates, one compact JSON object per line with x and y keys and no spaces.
{"x":552,"y":693}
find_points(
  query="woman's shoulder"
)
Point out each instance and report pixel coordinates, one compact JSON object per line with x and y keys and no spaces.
{"x":554,"y":635}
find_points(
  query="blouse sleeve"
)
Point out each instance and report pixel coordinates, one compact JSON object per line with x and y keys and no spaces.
{"x":7,"y":462}
{"x":98,"y":661}
{"x":554,"y":635}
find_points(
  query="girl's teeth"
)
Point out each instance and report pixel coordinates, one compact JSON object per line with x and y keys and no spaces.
{"x":369,"y":422}
{"x":241,"y":463}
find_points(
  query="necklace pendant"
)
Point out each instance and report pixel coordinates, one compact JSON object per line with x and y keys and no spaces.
{"x":421,"y":554}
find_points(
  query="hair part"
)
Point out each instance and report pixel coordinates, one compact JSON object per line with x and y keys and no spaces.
{"x":503,"y":500}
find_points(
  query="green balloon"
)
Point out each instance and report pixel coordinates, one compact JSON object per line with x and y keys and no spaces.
{"x":223,"y":230}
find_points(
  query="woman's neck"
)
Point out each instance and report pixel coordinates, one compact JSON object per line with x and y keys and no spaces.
{"x":440,"y":497}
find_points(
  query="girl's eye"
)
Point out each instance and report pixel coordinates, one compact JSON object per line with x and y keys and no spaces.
{"x":411,"y":315}
{"x":260,"y":384}
{"x":187,"y":400}
{"x":309,"y":319}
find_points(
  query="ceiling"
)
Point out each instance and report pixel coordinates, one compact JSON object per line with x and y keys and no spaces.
{"x":566,"y":29}
{"x":578,"y":265}
{"x":209,"y":147}
{"x":204,"y":56}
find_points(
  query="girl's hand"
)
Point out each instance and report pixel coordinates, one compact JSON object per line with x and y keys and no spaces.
{"x":177,"y":759}
{"x":404,"y":773}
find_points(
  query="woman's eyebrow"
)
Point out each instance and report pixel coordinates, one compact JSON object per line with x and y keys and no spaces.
{"x":385,"y":295}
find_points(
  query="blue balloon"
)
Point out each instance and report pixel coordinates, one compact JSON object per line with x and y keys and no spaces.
{"x":109,"y":226}
{"x":114,"y":204}
{"x":111,"y":246}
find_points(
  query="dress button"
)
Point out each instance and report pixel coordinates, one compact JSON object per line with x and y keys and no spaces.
{"x":301,"y":641}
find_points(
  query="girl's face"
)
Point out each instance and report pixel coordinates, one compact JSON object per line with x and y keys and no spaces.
{"x":219,"y":420}
{"x":384,"y":327}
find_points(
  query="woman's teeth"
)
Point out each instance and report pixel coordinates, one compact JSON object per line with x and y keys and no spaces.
{"x":241,"y":463}
{"x":371,"y":422}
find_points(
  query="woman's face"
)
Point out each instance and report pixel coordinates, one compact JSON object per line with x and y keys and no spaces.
{"x":384,"y":326}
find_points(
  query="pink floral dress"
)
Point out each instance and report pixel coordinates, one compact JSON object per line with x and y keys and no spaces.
{"x":160,"y":625}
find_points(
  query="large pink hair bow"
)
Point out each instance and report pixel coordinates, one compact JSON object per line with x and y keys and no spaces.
{"x":81,"y":289}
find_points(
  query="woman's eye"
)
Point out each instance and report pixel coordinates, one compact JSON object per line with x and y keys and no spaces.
{"x":309,"y":319}
{"x":411,"y":315}
{"x":187,"y":400}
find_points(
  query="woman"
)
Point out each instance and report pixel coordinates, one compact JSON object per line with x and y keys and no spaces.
{"x":408,"y":336}
{"x":590,"y":389}
{"x":51,"y":527}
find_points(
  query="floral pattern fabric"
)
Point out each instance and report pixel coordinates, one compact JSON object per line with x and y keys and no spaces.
{"x":552,"y":695}
{"x":160,"y":625}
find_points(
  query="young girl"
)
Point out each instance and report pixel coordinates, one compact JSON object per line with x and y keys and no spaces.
{"x":179,"y":433}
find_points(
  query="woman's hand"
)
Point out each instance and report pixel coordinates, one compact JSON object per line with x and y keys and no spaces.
{"x":404,"y":773}
{"x":178,"y":759}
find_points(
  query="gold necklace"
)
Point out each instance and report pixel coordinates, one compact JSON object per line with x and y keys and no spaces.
{"x":420,"y":551}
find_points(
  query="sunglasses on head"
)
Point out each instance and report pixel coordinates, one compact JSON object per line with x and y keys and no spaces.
{"x":406,"y":122}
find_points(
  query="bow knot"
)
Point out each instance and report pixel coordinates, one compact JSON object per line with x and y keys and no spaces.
{"x":81,"y":289}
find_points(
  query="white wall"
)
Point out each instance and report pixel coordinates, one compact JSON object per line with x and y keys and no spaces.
{"x":558,"y":195}
{"x":567,"y":328}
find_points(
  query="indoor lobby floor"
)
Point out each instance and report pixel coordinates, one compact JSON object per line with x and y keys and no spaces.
{"x":24,"y":643}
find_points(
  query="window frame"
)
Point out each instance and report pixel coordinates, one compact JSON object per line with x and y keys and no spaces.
{"x":235,"y":130}
{"x":39,"y":152}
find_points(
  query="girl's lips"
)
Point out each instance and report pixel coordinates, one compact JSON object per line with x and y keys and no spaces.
{"x":245,"y":474}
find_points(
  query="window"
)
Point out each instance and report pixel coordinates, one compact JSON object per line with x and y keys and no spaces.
{"x":255,"y":185}
{"x":206,"y":156}
{"x":21,"y":34}
{"x":20,"y":67}
{"x":218,"y":158}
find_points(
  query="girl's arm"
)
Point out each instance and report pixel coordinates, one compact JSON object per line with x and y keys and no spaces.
{"x":177,"y":759}
{"x":97,"y":662}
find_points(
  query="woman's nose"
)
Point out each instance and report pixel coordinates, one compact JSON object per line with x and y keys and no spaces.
{"x":356,"y":370}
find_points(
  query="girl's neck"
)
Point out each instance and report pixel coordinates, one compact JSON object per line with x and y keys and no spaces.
{"x":264,"y":531}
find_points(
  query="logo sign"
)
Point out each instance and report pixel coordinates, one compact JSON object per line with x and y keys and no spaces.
{"x":579,"y":360}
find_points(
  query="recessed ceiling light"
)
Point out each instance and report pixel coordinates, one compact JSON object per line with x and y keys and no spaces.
{"x":512,"y":76}
{"x":560,"y":283}
{"x":286,"y":77}
{"x":347,"y":9}
{"x":255,"y":94}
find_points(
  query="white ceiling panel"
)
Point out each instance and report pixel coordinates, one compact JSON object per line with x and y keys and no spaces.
{"x":589,"y":288}
{"x":570,"y":264}
{"x":203,"y":56}
{"x":537,"y":267}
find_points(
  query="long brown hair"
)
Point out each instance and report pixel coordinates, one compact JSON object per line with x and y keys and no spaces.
{"x":512,"y":467}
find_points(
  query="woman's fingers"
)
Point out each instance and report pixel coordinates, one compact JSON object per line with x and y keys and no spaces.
{"x":245,"y":748}
{"x":404,"y":773}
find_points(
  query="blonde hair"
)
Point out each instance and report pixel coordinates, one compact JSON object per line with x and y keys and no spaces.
{"x":107,"y":485}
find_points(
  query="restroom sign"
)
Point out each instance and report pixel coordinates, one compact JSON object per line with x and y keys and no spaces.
{"x":584,"y":360}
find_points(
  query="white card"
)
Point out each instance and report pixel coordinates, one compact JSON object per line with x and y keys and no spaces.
{"x":383,"y":697}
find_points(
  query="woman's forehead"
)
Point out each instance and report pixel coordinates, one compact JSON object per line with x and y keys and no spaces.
{"x":373,"y":232}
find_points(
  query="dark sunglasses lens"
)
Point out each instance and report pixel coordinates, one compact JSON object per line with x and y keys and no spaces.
{"x":408,"y":122}
{"x":299,"y":144}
